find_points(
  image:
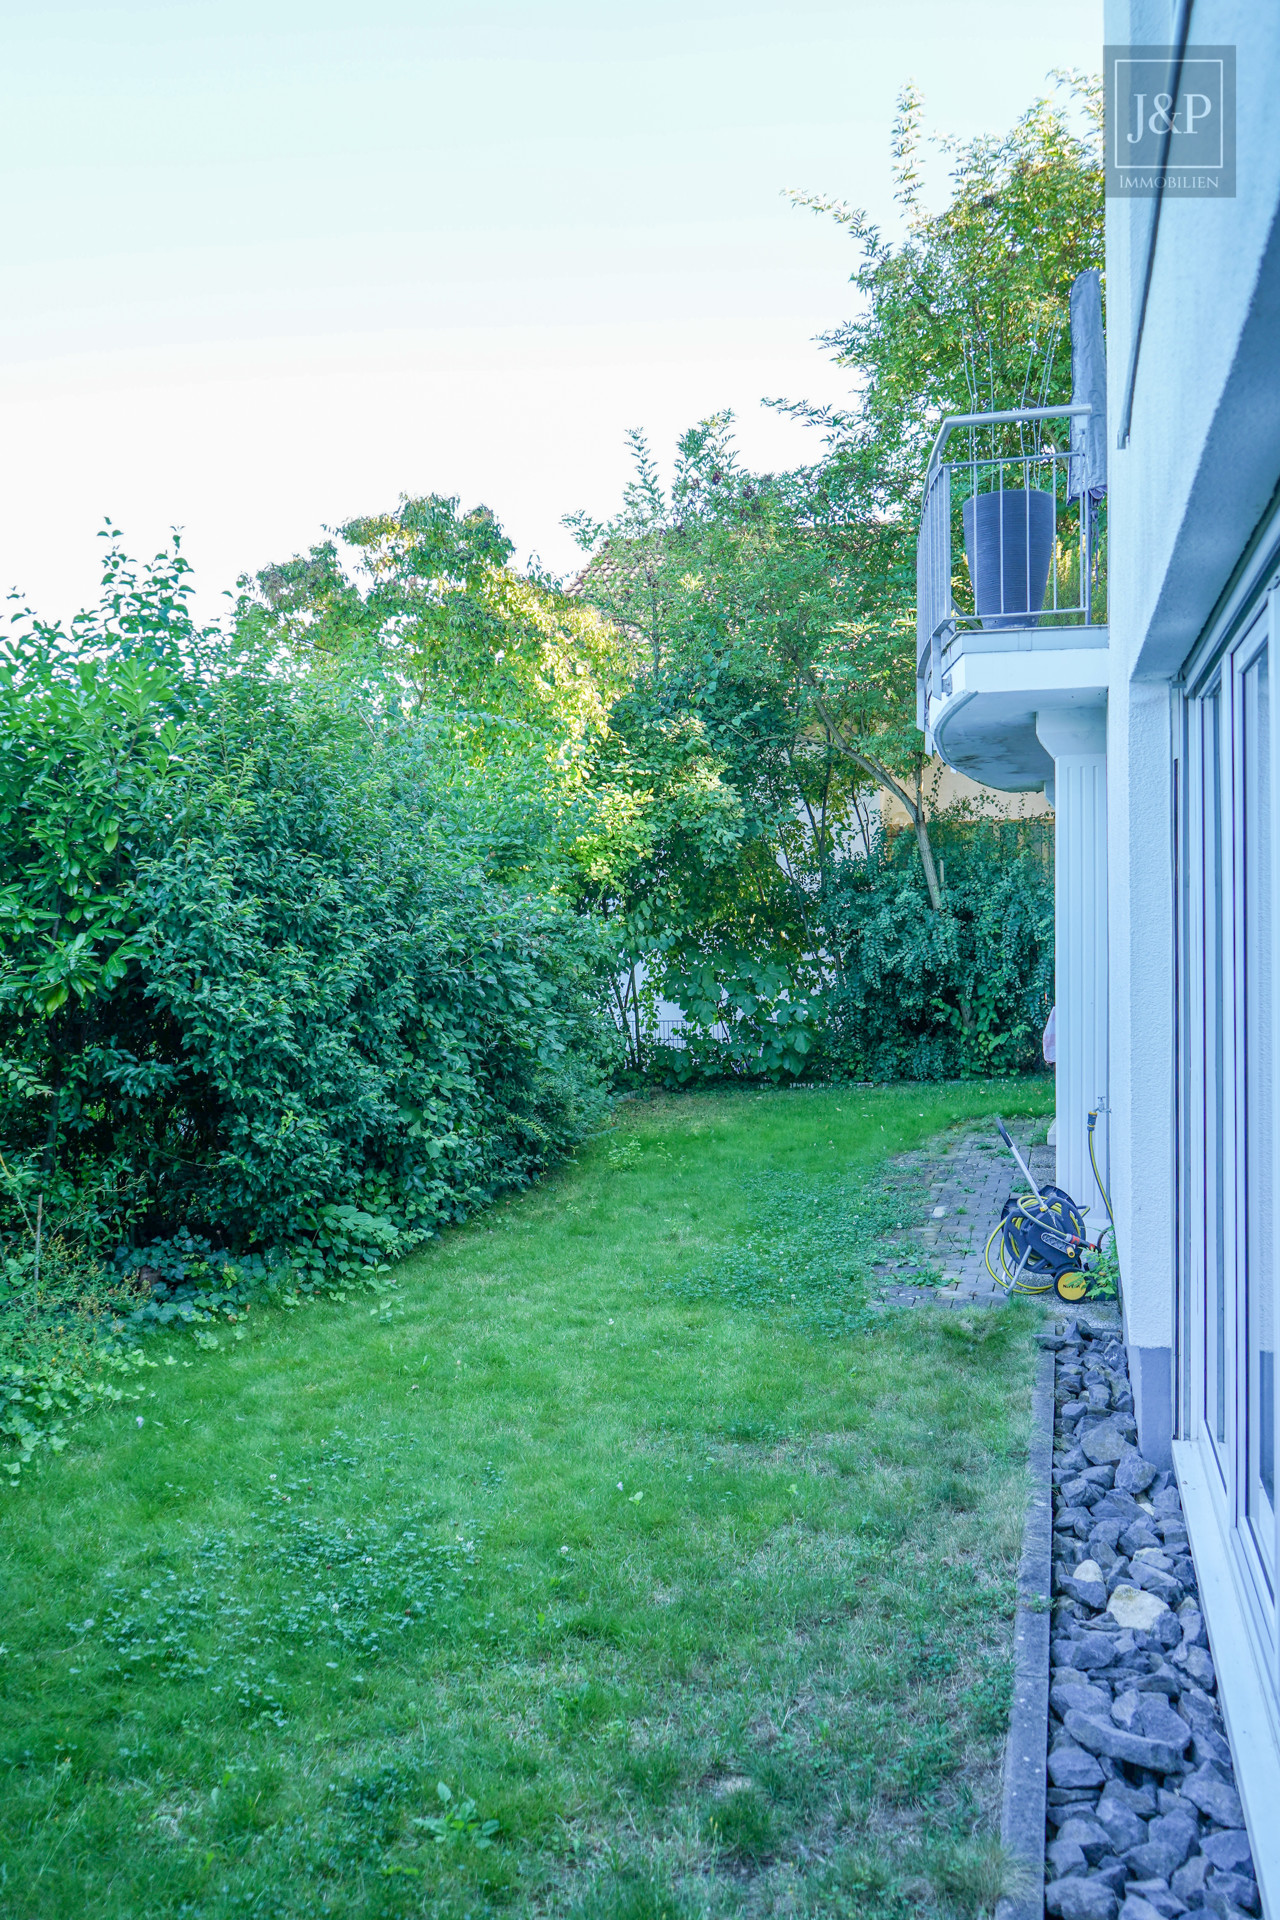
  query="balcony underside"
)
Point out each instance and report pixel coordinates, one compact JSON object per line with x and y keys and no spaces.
{"x":984,"y":721}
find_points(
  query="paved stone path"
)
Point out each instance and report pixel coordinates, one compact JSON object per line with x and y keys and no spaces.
{"x":963,"y":1190}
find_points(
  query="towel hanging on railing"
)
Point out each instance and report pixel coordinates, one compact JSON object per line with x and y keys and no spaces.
{"x":1087,"y":473}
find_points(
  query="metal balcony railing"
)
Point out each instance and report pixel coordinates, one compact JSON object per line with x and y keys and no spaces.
{"x":1008,"y":511}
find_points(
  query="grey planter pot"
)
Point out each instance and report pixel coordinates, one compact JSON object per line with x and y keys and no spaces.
{"x":1008,"y":542}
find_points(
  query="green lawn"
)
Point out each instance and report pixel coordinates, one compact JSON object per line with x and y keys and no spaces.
{"x":700,"y":1592}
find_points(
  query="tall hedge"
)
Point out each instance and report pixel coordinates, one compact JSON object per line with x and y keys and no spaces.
{"x":254,"y":967}
{"x":919,"y":995}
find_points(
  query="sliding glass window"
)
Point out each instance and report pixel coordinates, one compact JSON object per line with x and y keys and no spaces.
{"x":1228,"y":1131}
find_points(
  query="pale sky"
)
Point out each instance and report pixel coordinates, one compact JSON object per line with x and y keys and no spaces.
{"x":271,"y":264}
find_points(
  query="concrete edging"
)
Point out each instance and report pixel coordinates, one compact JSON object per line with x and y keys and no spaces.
{"x":1022,"y":1817}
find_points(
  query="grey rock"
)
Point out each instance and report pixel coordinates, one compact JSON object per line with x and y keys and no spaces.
{"x":1188,"y":1881}
{"x":1077,"y":1520}
{"x":1153,"y":1557}
{"x":1103,"y":1736}
{"x":1141,"y":1613}
{"x":1123,"y":1709}
{"x":1133,"y":1473}
{"x":1138,"y":1534}
{"x":1123,"y":1825}
{"x":1080,"y":1900}
{"x":1199,"y":1665}
{"x":1207,"y":1789}
{"x":1066,"y":1858}
{"x":1105,"y":1442}
{"x":1080,"y":1492}
{"x":1237,"y":1889}
{"x":1228,"y":1850}
{"x":1210,"y":1746}
{"x":1167,"y":1631}
{"x":1136,"y":1908}
{"x":1073,"y":1805}
{"x":1139,"y":1800}
{"x":1153,"y":1579}
{"x":1199,"y":1708}
{"x":1117,"y":1505}
{"x":1170,"y":1838}
{"x":1155,"y":1858}
{"x":1063,"y":1695}
{"x":1105,"y":1532}
{"x":1162,"y":1899}
{"x":1071,"y":1766}
{"x":1163,"y":1680}
{"x":1090,"y":1651}
{"x":1086,"y":1585}
{"x":1155,"y":1719}
{"x":1171,"y":1802}
{"x":1167,"y":1501}
{"x":1087,"y":1833}
{"x":1216,"y":1901}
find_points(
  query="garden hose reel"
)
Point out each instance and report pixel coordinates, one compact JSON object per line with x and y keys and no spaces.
{"x":1040,"y":1243}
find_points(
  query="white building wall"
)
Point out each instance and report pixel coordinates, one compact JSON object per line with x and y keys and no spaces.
{"x":1196,"y":474}
{"x":1186,"y":490}
{"x":1195,"y":478}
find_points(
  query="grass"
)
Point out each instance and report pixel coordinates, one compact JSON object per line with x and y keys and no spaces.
{"x":589,"y":1573}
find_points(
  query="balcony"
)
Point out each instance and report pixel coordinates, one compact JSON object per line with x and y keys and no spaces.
{"x":1033,"y":637}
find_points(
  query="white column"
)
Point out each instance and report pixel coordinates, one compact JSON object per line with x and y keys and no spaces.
{"x":1144,"y":1040}
{"x":1077,"y":739}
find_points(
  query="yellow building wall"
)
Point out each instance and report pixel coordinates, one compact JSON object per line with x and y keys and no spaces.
{"x":945,"y":787}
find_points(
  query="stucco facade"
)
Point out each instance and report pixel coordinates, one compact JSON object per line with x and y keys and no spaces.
{"x":1159,"y":731}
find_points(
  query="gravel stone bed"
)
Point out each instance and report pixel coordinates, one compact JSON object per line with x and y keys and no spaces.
{"x":1144,"y":1822}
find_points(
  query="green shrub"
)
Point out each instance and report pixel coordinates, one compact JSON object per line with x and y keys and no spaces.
{"x":267,"y":1016}
{"x":938,"y":996}
{"x":897,"y":991}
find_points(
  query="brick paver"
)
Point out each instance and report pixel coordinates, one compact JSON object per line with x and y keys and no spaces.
{"x":963,"y":1189}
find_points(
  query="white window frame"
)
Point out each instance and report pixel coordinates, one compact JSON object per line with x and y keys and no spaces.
{"x":1239,"y":1589}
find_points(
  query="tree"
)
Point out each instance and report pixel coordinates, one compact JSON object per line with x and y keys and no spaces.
{"x":754,"y":601}
{"x":777,"y":611}
{"x":429,"y":592}
{"x":518,"y":674}
{"x":970,"y":307}
{"x":968,"y":311}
